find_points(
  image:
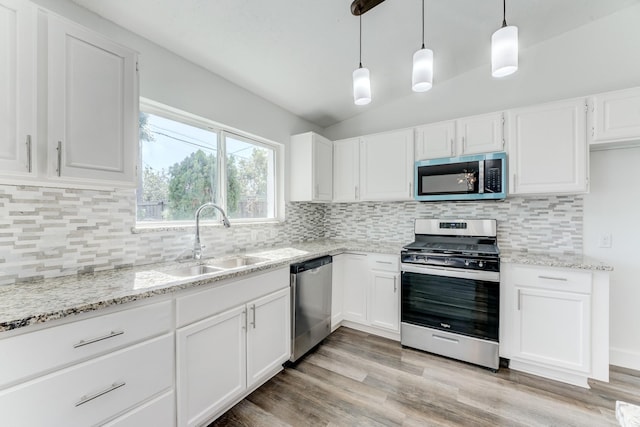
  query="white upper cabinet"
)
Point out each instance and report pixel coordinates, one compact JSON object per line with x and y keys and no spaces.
{"x":311,"y":168}
{"x":436,"y":140}
{"x":346,"y":170}
{"x":548,"y":148}
{"x":481,"y":134}
{"x":615,"y":118}
{"x":92,"y":105}
{"x":17,"y":88}
{"x":386,"y":166}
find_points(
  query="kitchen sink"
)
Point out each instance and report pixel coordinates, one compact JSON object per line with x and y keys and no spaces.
{"x":236,"y":262}
{"x":195,"y":270}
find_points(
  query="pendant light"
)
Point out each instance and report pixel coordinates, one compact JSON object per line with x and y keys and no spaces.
{"x":361,"y":79}
{"x":504,"y":48}
{"x":422,"y":77}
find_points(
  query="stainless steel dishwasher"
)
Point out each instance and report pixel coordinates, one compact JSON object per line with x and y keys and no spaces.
{"x":310,"y":304}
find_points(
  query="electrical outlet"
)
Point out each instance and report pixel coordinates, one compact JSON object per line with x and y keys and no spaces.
{"x":605,"y":240}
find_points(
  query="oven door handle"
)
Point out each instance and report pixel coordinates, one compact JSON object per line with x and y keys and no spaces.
{"x":487,"y":276}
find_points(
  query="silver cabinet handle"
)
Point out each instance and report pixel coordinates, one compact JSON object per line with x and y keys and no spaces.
{"x":59,"y":170}
{"x":395,"y":285}
{"x":384,"y":262}
{"x":410,"y":189}
{"x":244,"y":315}
{"x":451,"y":145}
{"x":111,"y":334}
{"x":29,"y":163}
{"x":518,"y":299}
{"x":562,"y":279}
{"x":88,"y":398}
{"x":253,"y":309}
{"x":357,"y":193}
{"x":464,"y":145}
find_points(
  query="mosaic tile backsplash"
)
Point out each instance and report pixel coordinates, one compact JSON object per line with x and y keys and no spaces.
{"x":50,"y":232}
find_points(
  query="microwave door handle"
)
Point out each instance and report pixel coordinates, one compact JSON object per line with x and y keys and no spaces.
{"x":481,"y":177}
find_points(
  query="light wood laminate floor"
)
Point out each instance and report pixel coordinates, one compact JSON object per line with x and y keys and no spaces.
{"x":357,"y":379}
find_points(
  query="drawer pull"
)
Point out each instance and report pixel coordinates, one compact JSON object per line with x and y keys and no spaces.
{"x":562,"y":279}
{"x":439,"y":337}
{"x":384,"y":262}
{"x":88,"y":398}
{"x":253,"y":310}
{"x":93,"y":340}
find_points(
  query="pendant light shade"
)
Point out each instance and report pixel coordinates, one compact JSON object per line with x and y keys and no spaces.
{"x":504,"y":49}
{"x":361,"y":79}
{"x":361,"y":86}
{"x":422,"y":78}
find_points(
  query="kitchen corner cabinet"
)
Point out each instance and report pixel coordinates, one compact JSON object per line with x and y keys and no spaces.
{"x":386,"y":166}
{"x":18,"y":153}
{"x":93,"y":369}
{"x":548,"y":148}
{"x":556,"y":325}
{"x":230,"y":339}
{"x":615,"y":119}
{"x":311,"y":166}
{"x":346,"y":170}
{"x":371,"y":289}
{"x":92,"y":106}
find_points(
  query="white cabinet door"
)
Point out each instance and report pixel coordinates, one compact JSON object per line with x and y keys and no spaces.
{"x":548,"y":149}
{"x":385,"y":300}
{"x":346,"y":170}
{"x":355,"y":284}
{"x":337,"y":290}
{"x":322,"y":168}
{"x":435,"y":140}
{"x":386,"y":166}
{"x":268,"y":335}
{"x":481,"y":134}
{"x":553,"y":328}
{"x":211,"y":361}
{"x":93,"y":106}
{"x":311,"y":168}
{"x":615,"y":117}
{"x":17,"y":88}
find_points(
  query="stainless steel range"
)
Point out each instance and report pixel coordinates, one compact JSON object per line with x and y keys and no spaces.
{"x":451,"y":290}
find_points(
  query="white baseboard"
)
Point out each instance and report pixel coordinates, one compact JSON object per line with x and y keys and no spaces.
{"x":624,"y":358}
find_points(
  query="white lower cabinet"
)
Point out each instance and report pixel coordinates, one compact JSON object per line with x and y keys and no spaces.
{"x":555,"y":322}
{"x":223,"y":357}
{"x":159,"y":412}
{"x":94,"y":391}
{"x":371,"y":290}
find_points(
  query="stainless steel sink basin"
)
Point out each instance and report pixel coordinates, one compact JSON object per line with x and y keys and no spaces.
{"x":196,"y":270}
{"x":236,"y":262}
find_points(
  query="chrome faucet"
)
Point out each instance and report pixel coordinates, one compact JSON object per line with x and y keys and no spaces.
{"x":197,"y":246}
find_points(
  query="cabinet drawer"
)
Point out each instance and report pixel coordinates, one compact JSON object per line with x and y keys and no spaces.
{"x":160,"y":412}
{"x":558,"y":279}
{"x":91,"y":392}
{"x":34,"y":353}
{"x":384,"y":262}
{"x":202,"y":304}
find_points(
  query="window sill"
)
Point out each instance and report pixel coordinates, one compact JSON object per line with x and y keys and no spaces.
{"x":156,"y":227}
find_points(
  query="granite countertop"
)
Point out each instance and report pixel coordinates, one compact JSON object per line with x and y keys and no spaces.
{"x":45,"y":300}
{"x":554,"y":260}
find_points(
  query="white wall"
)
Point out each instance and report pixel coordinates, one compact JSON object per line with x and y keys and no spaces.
{"x":613,"y":206}
{"x":597,"y":57}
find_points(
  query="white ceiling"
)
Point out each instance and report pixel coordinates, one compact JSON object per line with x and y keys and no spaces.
{"x":299,"y":54}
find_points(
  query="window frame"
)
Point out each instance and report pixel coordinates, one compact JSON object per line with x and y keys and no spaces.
{"x":221,"y":131}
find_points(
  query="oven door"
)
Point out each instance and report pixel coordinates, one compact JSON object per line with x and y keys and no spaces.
{"x":454,"y":300}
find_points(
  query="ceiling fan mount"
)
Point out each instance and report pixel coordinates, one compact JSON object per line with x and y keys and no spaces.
{"x":360,"y":7}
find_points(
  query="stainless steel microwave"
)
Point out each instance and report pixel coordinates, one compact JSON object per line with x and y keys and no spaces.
{"x":476,"y":177}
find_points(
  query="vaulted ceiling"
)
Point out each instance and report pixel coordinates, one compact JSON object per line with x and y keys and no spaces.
{"x":299,"y":54}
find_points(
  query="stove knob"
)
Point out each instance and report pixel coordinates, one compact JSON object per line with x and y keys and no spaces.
{"x":480,"y":264}
{"x":466,"y":262}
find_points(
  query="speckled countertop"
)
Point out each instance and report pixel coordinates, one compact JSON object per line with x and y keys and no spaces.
{"x":554,"y":260}
{"x":45,"y":300}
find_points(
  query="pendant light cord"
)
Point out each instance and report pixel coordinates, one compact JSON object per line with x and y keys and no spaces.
{"x":422,"y":24}
{"x":504,"y":13}
{"x":360,"y":58}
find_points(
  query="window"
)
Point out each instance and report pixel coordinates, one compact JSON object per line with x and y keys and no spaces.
{"x":186,"y":161}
